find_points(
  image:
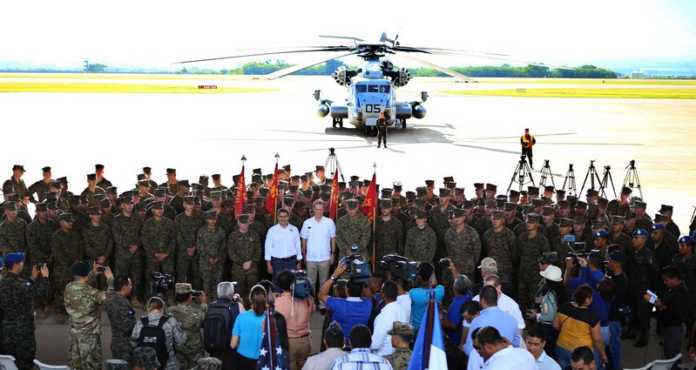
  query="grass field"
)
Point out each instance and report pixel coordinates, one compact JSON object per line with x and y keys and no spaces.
{"x":572,"y":92}
{"x":81,"y":87}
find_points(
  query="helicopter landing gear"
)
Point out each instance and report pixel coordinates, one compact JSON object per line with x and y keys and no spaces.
{"x":403,"y":123}
{"x":337,"y":121}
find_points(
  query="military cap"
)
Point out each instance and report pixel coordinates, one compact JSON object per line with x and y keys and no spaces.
{"x":402,"y":329}
{"x":688,"y":240}
{"x":289,"y":200}
{"x":626,"y":190}
{"x":560,"y":193}
{"x":498,"y":215}
{"x":580,"y":204}
{"x":549,"y":188}
{"x":522,"y":193}
{"x":10,"y":205}
{"x":537,"y":203}
{"x":429,"y":183}
{"x":639,"y":204}
{"x":318,"y":168}
{"x":510,"y":207}
{"x":142,"y":179}
{"x":458,"y":212}
{"x":147,"y":170}
{"x":421,"y":191}
{"x":65,"y":216}
{"x":351,"y":203}
{"x":665,"y":208}
{"x":98,"y":167}
{"x":157,"y":205}
{"x":566,"y":222}
{"x":549,"y":258}
{"x":286,"y":168}
{"x":93,"y":211}
{"x":600,"y":234}
{"x":386,"y":192}
{"x":354,"y":178}
{"x":208,"y":363}
{"x":533,"y":218}
{"x":617,"y":220}
{"x":533,"y":190}
{"x":572,"y":199}
{"x":458,"y":191}
{"x":421,"y":214}
{"x":115,"y":364}
{"x":18,"y":167}
{"x":444,"y":192}
{"x":491,"y":187}
{"x":397,"y":186}
{"x":304,"y":178}
{"x":46,"y":169}
{"x":478,"y":185}
{"x":451,"y":185}
{"x":41,"y":207}
{"x":514,"y":193}
{"x":53,"y":184}
{"x":447,"y":179}
{"x":467,"y":204}
{"x":160,"y":192}
{"x":547,"y":211}
{"x":659,"y":218}
{"x":592,"y":192}
{"x":183,"y":288}
{"x":14,"y":257}
{"x":640,"y":232}
{"x":80,"y":268}
{"x":92,"y":177}
{"x":354,"y":183}
{"x":602,"y":202}
{"x":366,"y":182}
{"x":144,"y":357}
{"x":171,"y":171}
{"x":293,"y":188}
{"x":184,"y":183}
{"x":216,"y":194}
{"x":125,"y":199}
{"x":410,"y":196}
{"x":62,"y":180}
{"x":489,"y":264}
{"x":257,"y":171}
{"x":385,"y":203}
{"x":209,"y":215}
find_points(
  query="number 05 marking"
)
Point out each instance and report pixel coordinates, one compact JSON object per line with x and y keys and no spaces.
{"x":373,"y":108}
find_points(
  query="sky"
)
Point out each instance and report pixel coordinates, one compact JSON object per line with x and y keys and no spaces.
{"x":158,"y":33}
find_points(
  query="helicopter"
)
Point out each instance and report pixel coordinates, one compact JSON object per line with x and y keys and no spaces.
{"x":371,"y":89}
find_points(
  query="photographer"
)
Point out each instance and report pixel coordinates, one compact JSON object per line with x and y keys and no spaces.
{"x":352,"y":310}
{"x":425,"y":282}
{"x":217,"y":325}
{"x":161,"y":332}
{"x":298,"y":313}
{"x":190,"y":316}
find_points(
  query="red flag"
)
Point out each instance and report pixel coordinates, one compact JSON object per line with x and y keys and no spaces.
{"x":369,"y":206}
{"x":241,"y":196}
{"x":272,"y":194}
{"x":333,"y":201}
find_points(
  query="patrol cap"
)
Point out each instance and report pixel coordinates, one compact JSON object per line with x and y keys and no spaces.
{"x":421,"y":214}
{"x":478,"y":185}
{"x":602,"y":202}
{"x":467,"y":204}
{"x":183,"y":288}
{"x":402,"y":329}
{"x":63,"y":180}
{"x":640,"y":232}
{"x":491,"y":187}
{"x":548,"y":211}
{"x":10,"y":205}
{"x":617,"y":220}
{"x":458,"y":212}
{"x":46,"y":169}
{"x":659,"y":218}
{"x":352,"y":203}
{"x":444,"y":192}
{"x":497,"y":215}
{"x":510,"y":207}
{"x":171,"y":171}
{"x":447,"y":179}
{"x":80,"y":268}
{"x":451,"y":185}
{"x":366,"y":182}
{"x":666,"y":208}
{"x":565,"y":222}
{"x":92,"y":177}
{"x":385,"y":203}
{"x":580,"y":204}
{"x":18,"y":167}
{"x":318,"y":168}
{"x":410,"y":196}
{"x":98,"y":167}
{"x":397,"y":186}
{"x":421,"y":191}
{"x":592,"y":192}
{"x":600,"y":234}
{"x":639,"y":204}
{"x":549,"y":188}
{"x":184,"y":183}
{"x":458,"y":191}
{"x":14,"y":257}
{"x":533,"y":218}
{"x":257,"y":171}
{"x":514,"y":193}
{"x":387,"y":192}
{"x":626,"y":190}
{"x":142,"y":179}
{"x":160,"y":192}
{"x":93,"y":211}
{"x":489,"y":264}
{"x":125,"y":199}
{"x":533,"y":190}
{"x":157,"y":205}
{"x":429,"y":183}
{"x":65,"y":216}
{"x":560,"y":193}
{"x":287,"y":168}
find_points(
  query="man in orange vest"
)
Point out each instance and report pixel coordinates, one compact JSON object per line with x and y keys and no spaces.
{"x":527,"y":141}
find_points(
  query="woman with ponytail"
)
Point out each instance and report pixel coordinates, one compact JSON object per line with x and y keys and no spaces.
{"x":247,"y":332}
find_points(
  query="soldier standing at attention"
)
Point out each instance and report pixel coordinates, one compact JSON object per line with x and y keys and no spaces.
{"x":66,"y":249}
{"x":382,"y":124}
{"x":353,"y":228}
{"x":159,"y":242}
{"x":531,"y":245}
{"x":421,"y":240}
{"x":389,"y":232}
{"x":15,"y":184}
{"x":83,"y":303}
{"x":500,"y":243}
{"x":129,"y":257}
{"x":99,"y":244}
{"x":211,"y":251}
{"x":244,"y":250}
{"x":462,"y":244}
{"x":190,"y":316}
{"x":187,"y":225}
{"x":122,"y":318}
{"x":527,"y":141}
{"x":39,"y":235}
{"x":13,"y":230}
{"x":16,"y":310}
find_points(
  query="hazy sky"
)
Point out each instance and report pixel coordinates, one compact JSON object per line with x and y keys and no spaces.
{"x":156,"y":33}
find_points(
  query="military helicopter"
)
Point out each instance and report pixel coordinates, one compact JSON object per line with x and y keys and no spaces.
{"x":371,"y":88}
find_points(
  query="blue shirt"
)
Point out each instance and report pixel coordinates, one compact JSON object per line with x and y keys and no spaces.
{"x":454,"y":315}
{"x":493,"y":316}
{"x":601,"y":308}
{"x":349,"y":312}
{"x":249,"y":328}
{"x":419,"y":302}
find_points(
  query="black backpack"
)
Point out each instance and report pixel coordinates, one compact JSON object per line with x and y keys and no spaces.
{"x":217,"y":325}
{"x":154,"y":336}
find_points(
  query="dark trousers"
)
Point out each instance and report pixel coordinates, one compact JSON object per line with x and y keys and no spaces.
{"x":227,"y":357}
{"x":528,"y":153}
{"x":381,"y":137}
{"x":282,"y":264}
{"x":245,"y":363}
{"x":672,"y":339}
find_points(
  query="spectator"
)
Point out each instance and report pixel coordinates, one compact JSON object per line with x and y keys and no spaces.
{"x":583,"y":359}
{"x":173,"y":334}
{"x":578,"y":326}
{"x":452,"y":324}
{"x":297,"y":313}
{"x":227,"y":305}
{"x":470,"y":310}
{"x":493,"y":316}
{"x":619,"y":306}
{"x":548,"y":298}
{"x":497,"y":352}
{"x":404,"y":299}
{"x":282,"y":249}
{"x":505,"y":303}
{"x":672,"y":311}
{"x":360,"y":356}
{"x":401,"y":337}
{"x":247,"y":332}
{"x":333,"y":340}
{"x":318,"y":244}
{"x":384,"y":322}
{"x":426,"y":282}
{"x":350,"y":311}
{"x":535,"y":341}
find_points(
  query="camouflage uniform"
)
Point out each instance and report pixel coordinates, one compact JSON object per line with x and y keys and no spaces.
{"x":90,"y":197}
{"x":82,"y":303}
{"x":463,"y":248}
{"x":389,"y":236}
{"x":98,"y":241}
{"x":186,"y":230}
{"x":439,"y":221}
{"x":122,"y":319}
{"x":400,"y":358}
{"x":191,"y":318}
{"x":353,"y":230}
{"x":208,"y":363}
{"x":39,"y":240}
{"x":40,"y":188}
{"x":158,"y":237}
{"x":13,"y":236}
{"x":17,"y":312}
{"x":211,"y":245}
{"x":66,"y":248}
{"x":12,"y":186}
{"x":242,"y":247}
{"x":174,"y":336}
{"x":126,"y":232}
{"x":502,"y":247}
{"x":528,"y":276}
{"x":420,"y":244}
{"x":552,"y":234}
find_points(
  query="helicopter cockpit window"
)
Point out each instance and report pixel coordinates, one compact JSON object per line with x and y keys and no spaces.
{"x":378,"y":88}
{"x":361,"y":88}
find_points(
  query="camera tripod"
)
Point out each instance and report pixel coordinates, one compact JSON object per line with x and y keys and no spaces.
{"x":546,"y":174}
{"x":570,"y":181}
{"x":521,"y":174}
{"x":631,"y":179}
{"x":332,"y":164}
{"x":606,"y":179}
{"x":593,"y":176}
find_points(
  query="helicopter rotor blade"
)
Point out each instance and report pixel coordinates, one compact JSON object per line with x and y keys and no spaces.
{"x":273,"y":52}
{"x":340,"y":37}
{"x":290,"y":70}
{"x":438,"y":68}
{"x":487,"y":55}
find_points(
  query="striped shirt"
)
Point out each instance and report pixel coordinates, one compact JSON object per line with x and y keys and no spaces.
{"x":361,"y":358}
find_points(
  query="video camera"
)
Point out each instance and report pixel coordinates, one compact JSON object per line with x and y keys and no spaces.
{"x":399,"y":266}
{"x":358,"y":270}
{"x":301,"y":288}
{"x":575,"y":249}
{"x":161,"y":283}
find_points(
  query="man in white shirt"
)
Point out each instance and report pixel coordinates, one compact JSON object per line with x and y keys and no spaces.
{"x":404,"y":299}
{"x":318,"y":244}
{"x":282,"y":250}
{"x":505,"y":303}
{"x":498,"y":354}
{"x":384,"y":322}
{"x":534,"y":338}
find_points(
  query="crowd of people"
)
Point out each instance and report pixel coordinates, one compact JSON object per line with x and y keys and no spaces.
{"x":532,"y":279}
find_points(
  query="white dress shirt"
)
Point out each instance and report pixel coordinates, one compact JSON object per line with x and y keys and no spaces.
{"x":405,"y":301}
{"x":283,"y":242}
{"x":544,"y":362}
{"x":508,"y":305}
{"x":511,"y":358}
{"x":318,"y":235}
{"x":384,"y":322}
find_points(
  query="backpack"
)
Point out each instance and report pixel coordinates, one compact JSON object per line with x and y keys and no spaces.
{"x":217,"y":325}
{"x":154,"y":336}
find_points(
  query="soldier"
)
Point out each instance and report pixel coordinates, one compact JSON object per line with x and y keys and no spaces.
{"x":565,"y":227}
{"x":66,"y":248}
{"x":99,"y":243}
{"x":16,"y":310}
{"x":187,"y":225}
{"x":421,"y":240}
{"x":531,"y":245}
{"x":617,"y":234}
{"x":244,"y":250}
{"x":102,"y":182}
{"x":440,"y":220}
{"x":83,"y":304}
{"x":551,"y":231}
{"x":621,"y":206}
{"x":15,"y":184}
{"x":643,"y":221}
{"x":177,"y":202}
{"x":122,"y":318}
{"x":211,"y":252}
{"x":462,"y":244}
{"x":144,"y":358}
{"x":161,"y":196}
{"x":89,"y":195}
{"x":128,"y":255}
{"x":382,"y":123}
{"x":402,"y":334}
{"x":500,"y":243}
{"x":159,"y":241}
{"x":39,"y":235}
{"x":642,"y":271}
{"x":13,"y":231}
{"x":666,"y":212}
{"x":40,"y":188}
{"x":353,"y":229}
{"x":172,"y":184}
{"x":665,"y":245}
{"x":389,"y":231}
{"x":190,"y":316}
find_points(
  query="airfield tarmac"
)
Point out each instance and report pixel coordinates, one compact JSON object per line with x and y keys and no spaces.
{"x":474,"y":139}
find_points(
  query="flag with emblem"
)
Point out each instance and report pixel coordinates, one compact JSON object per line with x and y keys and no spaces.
{"x":272,"y":355}
{"x":272,"y":197}
{"x":369,"y":206}
{"x":240,"y":196}
{"x":335,"y":193}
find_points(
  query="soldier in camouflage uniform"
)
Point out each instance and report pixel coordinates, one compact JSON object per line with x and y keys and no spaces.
{"x":144,"y":358}
{"x":244,"y":250}
{"x":122,"y":318}
{"x":13,"y":231}
{"x":190,"y":316}
{"x":402,"y":334}
{"x":99,"y":243}
{"x":531,"y":245}
{"x":159,"y":241}
{"x":15,"y":184}
{"x":462,"y":244}
{"x":66,"y":248}
{"x":208,"y":363}
{"x":128,"y":254}
{"x":551,"y":231}
{"x":83,"y":304}
{"x":500,"y":243}
{"x":389,"y":232}
{"x":16,"y":310}
{"x":187,"y":225}
{"x":211,"y":252}
{"x":89,"y":196}
{"x":353,"y":228}
{"x":41,"y":187}
{"x":421,"y":240}
{"x":39,"y":235}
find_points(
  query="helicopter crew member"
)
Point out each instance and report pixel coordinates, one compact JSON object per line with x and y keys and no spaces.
{"x":527,"y":141}
{"x":382,"y":124}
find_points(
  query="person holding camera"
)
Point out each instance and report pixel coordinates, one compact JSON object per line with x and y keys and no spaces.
{"x":161,"y":332}
{"x":82,"y":302}
{"x":190,"y":315}
{"x":121,"y":317}
{"x":350,"y":311}
{"x":298,"y":314}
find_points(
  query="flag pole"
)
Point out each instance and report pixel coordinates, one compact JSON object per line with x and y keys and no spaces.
{"x":275,"y":201}
{"x":374,"y":219}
